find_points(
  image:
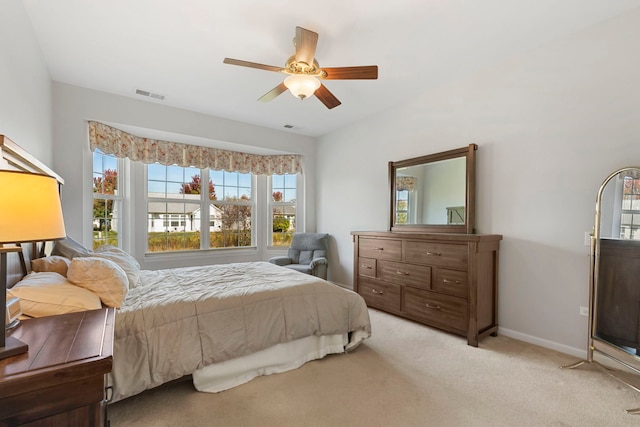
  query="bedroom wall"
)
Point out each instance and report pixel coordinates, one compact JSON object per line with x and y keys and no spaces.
{"x":551,"y":124}
{"x":73,"y":106}
{"x":25,"y":85}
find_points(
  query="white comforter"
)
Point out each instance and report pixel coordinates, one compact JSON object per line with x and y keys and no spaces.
{"x":179,"y":320}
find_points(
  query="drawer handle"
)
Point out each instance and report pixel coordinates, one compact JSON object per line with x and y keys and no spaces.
{"x":366,"y":267}
{"x":108,"y":394}
{"x":377,"y":292}
{"x":434,"y":254}
{"x":378,"y":249}
{"x":435,"y":307}
{"x":402,"y":273}
{"x":457,"y":282}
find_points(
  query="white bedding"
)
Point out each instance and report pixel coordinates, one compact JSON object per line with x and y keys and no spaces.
{"x":177,"y":321}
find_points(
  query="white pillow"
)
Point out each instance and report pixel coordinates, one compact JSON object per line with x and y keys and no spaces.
{"x":128,"y":263}
{"x":69,"y":248}
{"x":53,"y":263}
{"x":102,"y":277}
{"x":49,"y":293}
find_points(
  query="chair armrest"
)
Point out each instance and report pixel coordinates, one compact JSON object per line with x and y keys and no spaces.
{"x":318,"y":261}
{"x":280,"y":260}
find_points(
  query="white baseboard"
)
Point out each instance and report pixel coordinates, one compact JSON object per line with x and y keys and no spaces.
{"x":572,"y":351}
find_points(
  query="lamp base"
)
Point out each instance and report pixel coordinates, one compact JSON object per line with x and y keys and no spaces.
{"x":12,"y":347}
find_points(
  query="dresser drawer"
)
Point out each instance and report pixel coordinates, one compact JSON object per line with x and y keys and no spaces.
{"x":440,"y":254}
{"x":453,"y":282}
{"x":430,"y":307}
{"x":379,"y":294}
{"x":405,"y":274}
{"x":367,"y":267}
{"x":380,"y":248}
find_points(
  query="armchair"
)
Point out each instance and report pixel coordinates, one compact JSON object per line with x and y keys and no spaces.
{"x":307,"y":254}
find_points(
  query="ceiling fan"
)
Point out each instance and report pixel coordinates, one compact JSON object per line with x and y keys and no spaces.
{"x":305,"y":73}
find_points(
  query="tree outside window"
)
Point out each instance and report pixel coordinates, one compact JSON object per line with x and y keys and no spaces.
{"x":283,"y":209}
{"x":107,"y":200}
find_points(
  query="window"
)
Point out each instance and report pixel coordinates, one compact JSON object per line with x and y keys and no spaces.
{"x":177,"y":211}
{"x":107,"y":199}
{"x":283,"y":209}
{"x":178,"y":208}
{"x":174,"y":204}
{"x":630,"y":215}
{"x":402,"y":206}
{"x":231,"y":210}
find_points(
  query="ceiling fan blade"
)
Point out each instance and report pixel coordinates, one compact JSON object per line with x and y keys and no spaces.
{"x":367,"y":72}
{"x":305,"y":42}
{"x":273,"y":93}
{"x":327,"y":98}
{"x":253,"y":65}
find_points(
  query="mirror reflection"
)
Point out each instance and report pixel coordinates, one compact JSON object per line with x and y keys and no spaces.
{"x":620,"y":207}
{"x":431,"y":193}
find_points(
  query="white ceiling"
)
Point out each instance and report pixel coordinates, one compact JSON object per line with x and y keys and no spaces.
{"x":176,"y":48}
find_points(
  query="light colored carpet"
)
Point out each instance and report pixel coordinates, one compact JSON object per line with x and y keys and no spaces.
{"x":406,"y":374}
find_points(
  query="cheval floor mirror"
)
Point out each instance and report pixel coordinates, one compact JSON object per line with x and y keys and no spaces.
{"x":614,"y":296}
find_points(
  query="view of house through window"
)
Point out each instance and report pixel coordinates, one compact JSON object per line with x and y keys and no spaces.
{"x":283,"y":209}
{"x":107,"y":199}
{"x":190,"y":208}
{"x":630,"y":216}
{"x":179,"y":201}
{"x":231,"y":215}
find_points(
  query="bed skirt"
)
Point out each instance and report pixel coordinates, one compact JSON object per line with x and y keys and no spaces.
{"x":279,"y":358}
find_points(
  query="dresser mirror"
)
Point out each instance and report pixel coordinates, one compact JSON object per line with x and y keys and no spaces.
{"x":434,"y":193}
{"x":615,"y":291}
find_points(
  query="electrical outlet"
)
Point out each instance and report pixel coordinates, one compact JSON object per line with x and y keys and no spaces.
{"x":584,"y":311}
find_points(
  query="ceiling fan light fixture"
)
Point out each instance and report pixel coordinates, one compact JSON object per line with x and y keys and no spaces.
{"x":302,"y":86}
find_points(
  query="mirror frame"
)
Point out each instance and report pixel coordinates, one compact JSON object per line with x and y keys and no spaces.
{"x":597,"y":344}
{"x":470,"y":197}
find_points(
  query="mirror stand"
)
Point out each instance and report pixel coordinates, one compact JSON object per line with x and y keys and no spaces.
{"x":614,"y":291}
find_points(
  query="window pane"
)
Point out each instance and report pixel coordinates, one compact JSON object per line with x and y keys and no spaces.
{"x":283,"y":212}
{"x":105,"y":175}
{"x":234,"y":226}
{"x":173,"y":226}
{"x":105,"y":181}
{"x":105,"y":222}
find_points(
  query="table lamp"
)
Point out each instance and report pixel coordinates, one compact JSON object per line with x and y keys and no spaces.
{"x":30,"y":211}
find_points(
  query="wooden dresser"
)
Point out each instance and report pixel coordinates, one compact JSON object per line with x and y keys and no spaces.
{"x":448,"y":281}
{"x":61,"y":380}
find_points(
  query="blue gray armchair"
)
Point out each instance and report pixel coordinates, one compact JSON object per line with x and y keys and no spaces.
{"x":307,"y":254}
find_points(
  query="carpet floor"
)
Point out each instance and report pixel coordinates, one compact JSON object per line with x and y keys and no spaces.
{"x":406,"y":374}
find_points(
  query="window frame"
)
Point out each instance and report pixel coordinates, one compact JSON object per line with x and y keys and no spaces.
{"x":271,"y":204}
{"x":117,"y":199}
{"x":205,"y":219}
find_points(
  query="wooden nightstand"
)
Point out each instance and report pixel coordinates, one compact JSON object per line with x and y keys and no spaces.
{"x":61,"y":380}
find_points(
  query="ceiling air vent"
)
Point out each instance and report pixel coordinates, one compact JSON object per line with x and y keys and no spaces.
{"x":150,"y":94}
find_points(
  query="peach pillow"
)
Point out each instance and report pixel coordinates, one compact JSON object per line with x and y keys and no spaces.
{"x":49,"y":293}
{"x":101,"y":276}
{"x":55,"y":263}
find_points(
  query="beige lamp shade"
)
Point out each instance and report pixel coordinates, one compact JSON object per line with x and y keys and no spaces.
{"x":30,"y":208}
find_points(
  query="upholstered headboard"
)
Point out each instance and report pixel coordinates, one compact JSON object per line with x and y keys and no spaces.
{"x":13,"y":157}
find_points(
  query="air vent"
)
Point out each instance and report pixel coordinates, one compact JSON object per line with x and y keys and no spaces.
{"x":150,"y":94}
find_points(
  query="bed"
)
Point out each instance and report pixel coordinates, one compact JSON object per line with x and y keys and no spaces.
{"x":223,"y":324}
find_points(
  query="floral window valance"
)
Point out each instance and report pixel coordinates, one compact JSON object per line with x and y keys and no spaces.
{"x":122,"y":144}
{"x":405,"y":183}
